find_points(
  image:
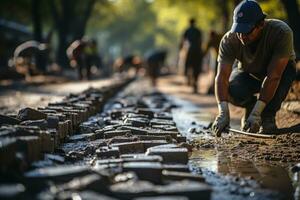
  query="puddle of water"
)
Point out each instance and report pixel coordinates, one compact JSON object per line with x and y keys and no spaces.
{"x":271,"y":177}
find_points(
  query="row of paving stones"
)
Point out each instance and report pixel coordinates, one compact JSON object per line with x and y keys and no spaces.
{"x":27,"y":136}
{"x":131,"y":151}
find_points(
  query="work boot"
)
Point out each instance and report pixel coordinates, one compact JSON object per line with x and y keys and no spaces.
{"x":268,"y":125}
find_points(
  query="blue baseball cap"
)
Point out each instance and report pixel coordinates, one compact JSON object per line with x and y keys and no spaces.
{"x":245,"y":16}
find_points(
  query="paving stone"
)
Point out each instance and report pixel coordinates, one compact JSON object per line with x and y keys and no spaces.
{"x":152,"y":143}
{"x":178,"y":176}
{"x":42,"y":123}
{"x":53,"y":121}
{"x":92,"y":182}
{"x":8,"y":149}
{"x":115,"y":122}
{"x":54,"y":136}
{"x":150,"y":171}
{"x":47,"y":111}
{"x":131,"y":155}
{"x":120,"y":139}
{"x":73,"y":156}
{"x":47,"y":142}
{"x":135,"y":115}
{"x":170,"y":155}
{"x":165,"y":146}
{"x":30,"y":146}
{"x":164,"y":115}
{"x":141,"y":158}
{"x":108,"y":152}
{"x":69,"y":127}
{"x":130,"y":147}
{"x":146,"y":111}
{"x":8,"y":120}
{"x":137,"y":122}
{"x":30,"y":114}
{"x":134,"y":130}
{"x":12,"y":191}
{"x":62,"y":130}
{"x":166,"y":127}
{"x":58,"y":174}
{"x":115,"y":133}
{"x":82,"y":137}
{"x":124,"y":176}
{"x":162,"y":122}
{"x":114,"y":165}
{"x":176,"y":167}
{"x":55,"y":158}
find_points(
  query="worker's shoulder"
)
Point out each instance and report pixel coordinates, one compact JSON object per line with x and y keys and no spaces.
{"x":230,"y":37}
{"x":277,"y":25}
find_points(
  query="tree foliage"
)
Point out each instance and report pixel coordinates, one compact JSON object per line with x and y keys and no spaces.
{"x":132,"y":26}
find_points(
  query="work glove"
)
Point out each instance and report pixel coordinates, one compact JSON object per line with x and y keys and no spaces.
{"x":222,"y":120}
{"x":253,"y":122}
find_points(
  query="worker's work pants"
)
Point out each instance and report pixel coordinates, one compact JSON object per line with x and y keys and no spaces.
{"x":243,"y":87}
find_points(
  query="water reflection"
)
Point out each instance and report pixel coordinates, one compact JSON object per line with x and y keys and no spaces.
{"x":271,"y":177}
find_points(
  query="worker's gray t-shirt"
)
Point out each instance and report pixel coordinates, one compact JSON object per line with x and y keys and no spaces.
{"x":276,"y":42}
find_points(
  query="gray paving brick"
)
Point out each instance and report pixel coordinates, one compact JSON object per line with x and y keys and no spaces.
{"x":170,"y":155}
{"x":150,"y":171}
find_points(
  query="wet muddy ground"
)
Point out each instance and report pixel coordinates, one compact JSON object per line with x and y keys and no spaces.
{"x":237,"y":167}
{"x":267,"y":162}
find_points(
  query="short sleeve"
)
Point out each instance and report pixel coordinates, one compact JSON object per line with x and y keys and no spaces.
{"x":226,"y":53}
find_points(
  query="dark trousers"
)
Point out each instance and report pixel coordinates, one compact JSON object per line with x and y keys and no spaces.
{"x":243,"y":86}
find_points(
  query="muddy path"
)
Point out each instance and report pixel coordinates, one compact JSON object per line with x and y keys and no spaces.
{"x":230,"y":167}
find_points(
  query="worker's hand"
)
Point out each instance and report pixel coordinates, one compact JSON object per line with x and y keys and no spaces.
{"x":253,"y":122}
{"x":222,"y":120}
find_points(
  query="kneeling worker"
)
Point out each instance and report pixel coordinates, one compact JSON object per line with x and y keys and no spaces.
{"x":255,"y":57}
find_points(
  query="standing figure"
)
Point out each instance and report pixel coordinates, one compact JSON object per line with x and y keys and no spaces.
{"x":192,"y":40}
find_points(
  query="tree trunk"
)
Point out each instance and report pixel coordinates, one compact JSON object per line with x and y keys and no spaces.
{"x":62,"y":25}
{"x":70,"y":24}
{"x":291,"y":8}
{"x":37,"y":32}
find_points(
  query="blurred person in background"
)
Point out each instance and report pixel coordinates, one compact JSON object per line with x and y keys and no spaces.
{"x":192,"y":42}
{"x":93,"y":58}
{"x":77,"y":57}
{"x":154,"y":61}
{"x":24,"y":58}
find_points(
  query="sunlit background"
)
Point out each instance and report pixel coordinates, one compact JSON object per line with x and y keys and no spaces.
{"x":121,"y":27}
